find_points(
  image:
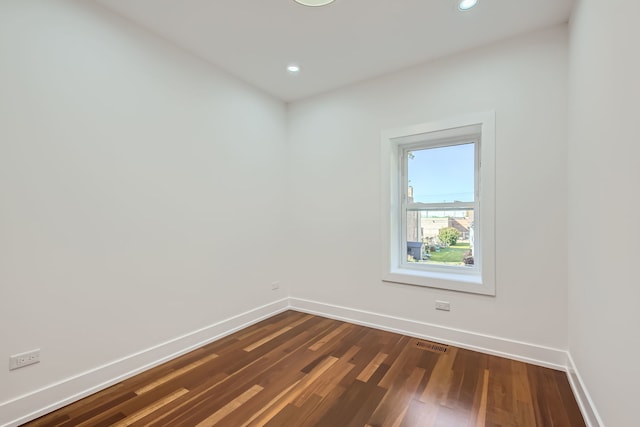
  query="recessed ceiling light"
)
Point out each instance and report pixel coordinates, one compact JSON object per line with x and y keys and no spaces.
{"x":467,"y":4}
{"x":293,"y":69}
{"x":314,"y":2}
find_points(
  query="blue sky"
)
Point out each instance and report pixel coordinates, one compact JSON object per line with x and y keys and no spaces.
{"x":443,"y":174}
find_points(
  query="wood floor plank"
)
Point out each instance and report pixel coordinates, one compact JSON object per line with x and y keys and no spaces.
{"x":373,"y":366}
{"x":405,"y":393}
{"x":91,"y":412}
{"x":268,"y":407}
{"x":324,"y":384}
{"x":293,"y":393}
{"x":319,"y":413}
{"x":482,"y":410}
{"x":393,"y":407}
{"x":300,"y":370}
{"x":438,"y":387}
{"x":267,"y":338}
{"x":230,"y":407}
{"x":330,"y":336}
{"x":150,"y":409}
{"x":175,"y":374}
{"x":345,"y":409}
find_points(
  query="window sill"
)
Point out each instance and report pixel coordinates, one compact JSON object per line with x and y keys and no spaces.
{"x":470,"y":282}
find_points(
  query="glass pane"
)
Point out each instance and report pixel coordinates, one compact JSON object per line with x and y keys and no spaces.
{"x":440,"y":237}
{"x":444,"y":174}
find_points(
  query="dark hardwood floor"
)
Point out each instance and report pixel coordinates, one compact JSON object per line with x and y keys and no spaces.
{"x":296,"y":369}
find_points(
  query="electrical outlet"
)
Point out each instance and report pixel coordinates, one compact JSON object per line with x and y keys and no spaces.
{"x":275,"y":285}
{"x":443,"y":305}
{"x":24,"y":359}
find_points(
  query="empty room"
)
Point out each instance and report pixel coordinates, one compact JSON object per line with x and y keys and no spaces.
{"x":319,"y":213}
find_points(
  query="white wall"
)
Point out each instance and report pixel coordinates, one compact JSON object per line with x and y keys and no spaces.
{"x":138,"y":184}
{"x":141,"y":191}
{"x":604,"y":177}
{"x":335,"y":183}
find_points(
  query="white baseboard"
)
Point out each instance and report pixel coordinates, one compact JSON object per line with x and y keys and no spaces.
{"x":588,"y":409}
{"x":54,"y":396}
{"x":511,"y":349}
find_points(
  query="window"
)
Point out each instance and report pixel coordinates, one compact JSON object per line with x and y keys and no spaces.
{"x":438,"y":204}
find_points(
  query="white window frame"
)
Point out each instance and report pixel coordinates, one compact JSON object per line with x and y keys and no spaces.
{"x":478,"y":128}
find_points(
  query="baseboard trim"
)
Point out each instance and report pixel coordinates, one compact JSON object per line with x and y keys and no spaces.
{"x":588,"y":409}
{"x":511,"y":349}
{"x":47,"y":399}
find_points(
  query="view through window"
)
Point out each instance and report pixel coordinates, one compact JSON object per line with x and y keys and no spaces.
{"x":440,"y":196}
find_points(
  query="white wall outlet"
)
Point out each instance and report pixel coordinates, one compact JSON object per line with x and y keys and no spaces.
{"x":443,"y":305}
{"x":24,"y":359}
{"x":275,"y":285}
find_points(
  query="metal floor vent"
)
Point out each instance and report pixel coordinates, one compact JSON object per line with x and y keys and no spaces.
{"x":432,"y":346}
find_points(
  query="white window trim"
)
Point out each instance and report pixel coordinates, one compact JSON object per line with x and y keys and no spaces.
{"x":480,"y":280}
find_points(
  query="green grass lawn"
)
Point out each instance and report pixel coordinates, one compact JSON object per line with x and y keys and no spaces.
{"x":452,"y":254}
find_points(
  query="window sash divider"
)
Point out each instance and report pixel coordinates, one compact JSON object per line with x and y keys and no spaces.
{"x":453,"y":206}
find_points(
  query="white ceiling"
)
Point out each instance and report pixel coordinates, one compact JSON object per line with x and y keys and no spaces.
{"x":336,"y":45}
